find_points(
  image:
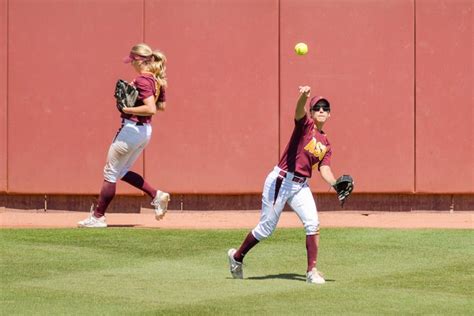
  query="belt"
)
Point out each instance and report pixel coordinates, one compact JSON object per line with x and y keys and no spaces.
{"x":136,"y":123}
{"x":297,"y":179}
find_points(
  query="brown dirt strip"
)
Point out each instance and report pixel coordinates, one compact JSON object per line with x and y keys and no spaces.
{"x":10,"y":218}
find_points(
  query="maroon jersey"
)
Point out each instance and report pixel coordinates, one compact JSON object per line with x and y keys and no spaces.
{"x":306,"y":149}
{"x":146,"y":86}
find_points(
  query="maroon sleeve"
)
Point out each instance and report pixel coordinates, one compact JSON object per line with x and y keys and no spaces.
{"x":327,"y":159}
{"x":145,"y":86}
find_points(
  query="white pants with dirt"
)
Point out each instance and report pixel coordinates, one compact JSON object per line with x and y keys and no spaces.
{"x":280,"y":188}
{"x":127,"y":146}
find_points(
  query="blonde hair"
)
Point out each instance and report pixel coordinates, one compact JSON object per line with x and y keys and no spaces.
{"x":142,"y":49}
{"x":155,"y":62}
{"x":158,"y":67}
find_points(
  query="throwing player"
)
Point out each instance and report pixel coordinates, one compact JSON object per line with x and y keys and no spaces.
{"x":307,"y":149}
{"x":134,"y":134}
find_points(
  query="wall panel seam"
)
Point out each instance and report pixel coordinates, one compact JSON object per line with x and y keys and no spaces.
{"x":7,"y":69}
{"x":143,"y":41}
{"x":143,"y":21}
{"x":279,"y":81}
{"x":414,"y":97}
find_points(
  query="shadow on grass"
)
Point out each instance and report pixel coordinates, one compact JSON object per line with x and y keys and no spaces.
{"x":286,"y":276}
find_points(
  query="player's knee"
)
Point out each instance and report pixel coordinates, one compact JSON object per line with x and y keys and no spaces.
{"x":121,"y":174}
{"x":110,"y":179}
{"x":263,"y":230}
{"x":312,"y":228}
{"x":260,"y":234}
{"x":110,"y":175}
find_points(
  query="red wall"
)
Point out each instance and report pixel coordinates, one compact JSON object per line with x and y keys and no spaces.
{"x":444,"y":107}
{"x":62,"y":117}
{"x":361,"y":59}
{"x":219,"y":133}
{"x":233,"y":86}
{"x":3,"y":95}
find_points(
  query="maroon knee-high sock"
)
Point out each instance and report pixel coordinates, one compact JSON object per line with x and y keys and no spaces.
{"x":107,"y":193}
{"x":311,"y":251}
{"x":138,"y":182}
{"x":249,"y":242}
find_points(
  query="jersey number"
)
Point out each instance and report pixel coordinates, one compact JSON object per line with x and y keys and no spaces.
{"x":317,"y":149}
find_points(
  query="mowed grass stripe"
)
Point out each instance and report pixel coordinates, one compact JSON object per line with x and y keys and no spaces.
{"x":127,"y":271}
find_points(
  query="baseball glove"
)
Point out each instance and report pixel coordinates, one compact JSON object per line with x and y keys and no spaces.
{"x":343,"y":186}
{"x":125,"y":94}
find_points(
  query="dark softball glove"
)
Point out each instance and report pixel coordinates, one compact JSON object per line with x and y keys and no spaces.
{"x":343,"y":186}
{"x":125,"y":94}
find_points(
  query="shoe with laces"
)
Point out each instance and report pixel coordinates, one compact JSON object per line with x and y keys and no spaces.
{"x":93,"y":222}
{"x":235,"y":266}
{"x":314,"y":277}
{"x":160,"y":202}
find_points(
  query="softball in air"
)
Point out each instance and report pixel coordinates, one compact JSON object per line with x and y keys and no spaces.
{"x":301,"y":48}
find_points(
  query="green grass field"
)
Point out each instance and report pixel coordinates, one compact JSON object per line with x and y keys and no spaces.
{"x":166,"y":272}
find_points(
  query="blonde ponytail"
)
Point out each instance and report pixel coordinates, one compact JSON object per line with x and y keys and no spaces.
{"x":153,"y":61}
{"x":157,"y":66}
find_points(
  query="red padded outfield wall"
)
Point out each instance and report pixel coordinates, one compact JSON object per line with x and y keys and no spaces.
{"x":62,"y":116}
{"x":3,"y":95}
{"x":219,"y":133}
{"x":444,"y":86}
{"x":233,"y":86}
{"x":361,"y":59}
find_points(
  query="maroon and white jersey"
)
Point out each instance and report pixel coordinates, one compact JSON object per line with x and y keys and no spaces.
{"x":146,"y":86}
{"x":307,"y":149}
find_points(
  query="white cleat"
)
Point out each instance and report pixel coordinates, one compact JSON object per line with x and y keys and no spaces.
{"x":235,"y":266}
{"x":93,"y":222}
{"x":314,"y":277}
{"x":160,"y":202}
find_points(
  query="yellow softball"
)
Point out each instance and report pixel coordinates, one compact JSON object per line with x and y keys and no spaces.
{"x":301,"y":48}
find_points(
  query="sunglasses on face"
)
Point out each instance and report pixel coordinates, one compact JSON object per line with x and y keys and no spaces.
{"x":317,"y":107}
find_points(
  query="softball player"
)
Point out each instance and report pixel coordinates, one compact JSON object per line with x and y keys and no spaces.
{"x":134,"y":135}
{"x":307,"y":149}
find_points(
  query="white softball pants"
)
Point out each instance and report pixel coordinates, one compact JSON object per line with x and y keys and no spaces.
{"x":125,"y":149}
{"x":297,"y":195}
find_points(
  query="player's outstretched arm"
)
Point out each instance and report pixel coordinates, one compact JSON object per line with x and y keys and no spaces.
{"x":300,"y":111}
{"x":327,"y":175}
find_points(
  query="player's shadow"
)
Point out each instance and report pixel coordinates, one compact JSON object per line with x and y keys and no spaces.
{"x":124,"y":225}
{"x":286,"y":276}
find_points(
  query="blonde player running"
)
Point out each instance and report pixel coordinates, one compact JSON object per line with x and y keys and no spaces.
{"x":134,"y":135}
{"x":307,"y":149}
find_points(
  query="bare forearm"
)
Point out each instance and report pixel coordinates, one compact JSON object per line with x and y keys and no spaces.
{"x":142,"y":110}
{"x":327,"y":175}
{"x":148,"y":108}
{"x":300,"y":111}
